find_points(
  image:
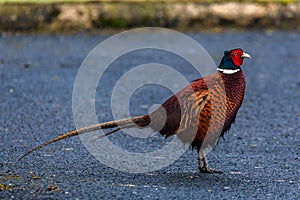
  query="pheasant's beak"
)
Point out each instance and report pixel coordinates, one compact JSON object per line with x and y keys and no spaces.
{"x":245,"y":55}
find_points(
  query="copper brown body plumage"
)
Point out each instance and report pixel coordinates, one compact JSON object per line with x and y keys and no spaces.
{"x":198,"y":114}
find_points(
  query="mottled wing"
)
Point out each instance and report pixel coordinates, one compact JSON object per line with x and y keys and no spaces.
{"x":180,"y":113}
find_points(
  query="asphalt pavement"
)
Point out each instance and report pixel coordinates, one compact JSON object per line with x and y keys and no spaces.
{"x":259,"y":155}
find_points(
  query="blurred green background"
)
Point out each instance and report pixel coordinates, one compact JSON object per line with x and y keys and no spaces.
{"x":86,"y":15}
{"x":55,"y":1}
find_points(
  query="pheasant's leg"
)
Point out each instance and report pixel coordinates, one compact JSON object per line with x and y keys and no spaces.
{"x":203,"y":165}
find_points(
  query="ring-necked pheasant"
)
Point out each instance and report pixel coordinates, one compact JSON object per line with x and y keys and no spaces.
{"x":200,"y":113}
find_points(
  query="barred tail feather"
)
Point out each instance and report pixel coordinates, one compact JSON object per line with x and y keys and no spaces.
{"x":140,"y":122}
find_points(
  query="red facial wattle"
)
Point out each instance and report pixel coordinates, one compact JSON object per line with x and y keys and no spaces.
{"x":236,"y":57}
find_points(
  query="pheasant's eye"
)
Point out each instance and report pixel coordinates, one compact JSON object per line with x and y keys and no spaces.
{"x":235,"y":53}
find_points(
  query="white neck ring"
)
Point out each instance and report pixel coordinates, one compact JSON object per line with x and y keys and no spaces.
{"x":228,"y":71}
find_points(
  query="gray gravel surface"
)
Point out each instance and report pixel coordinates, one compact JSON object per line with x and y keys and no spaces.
{"x":259,"y":156}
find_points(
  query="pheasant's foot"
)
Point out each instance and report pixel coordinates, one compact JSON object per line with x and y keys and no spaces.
{"x":209,"y":170}
{"x":203,"y":165}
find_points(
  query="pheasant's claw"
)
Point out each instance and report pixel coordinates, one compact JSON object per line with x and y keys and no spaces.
{"x":209,"y":170}
{"x":203,"y":165}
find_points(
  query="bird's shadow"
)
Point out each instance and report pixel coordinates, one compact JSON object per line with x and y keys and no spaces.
{"x":195,"y":179}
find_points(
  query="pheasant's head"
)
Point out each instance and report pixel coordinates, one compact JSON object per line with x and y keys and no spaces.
{"x":232,"y":60}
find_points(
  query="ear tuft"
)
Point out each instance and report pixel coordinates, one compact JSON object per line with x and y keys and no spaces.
{"x":226,"y":53}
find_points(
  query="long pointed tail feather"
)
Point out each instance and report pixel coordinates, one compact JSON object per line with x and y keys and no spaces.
{"x":140,"y":121}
